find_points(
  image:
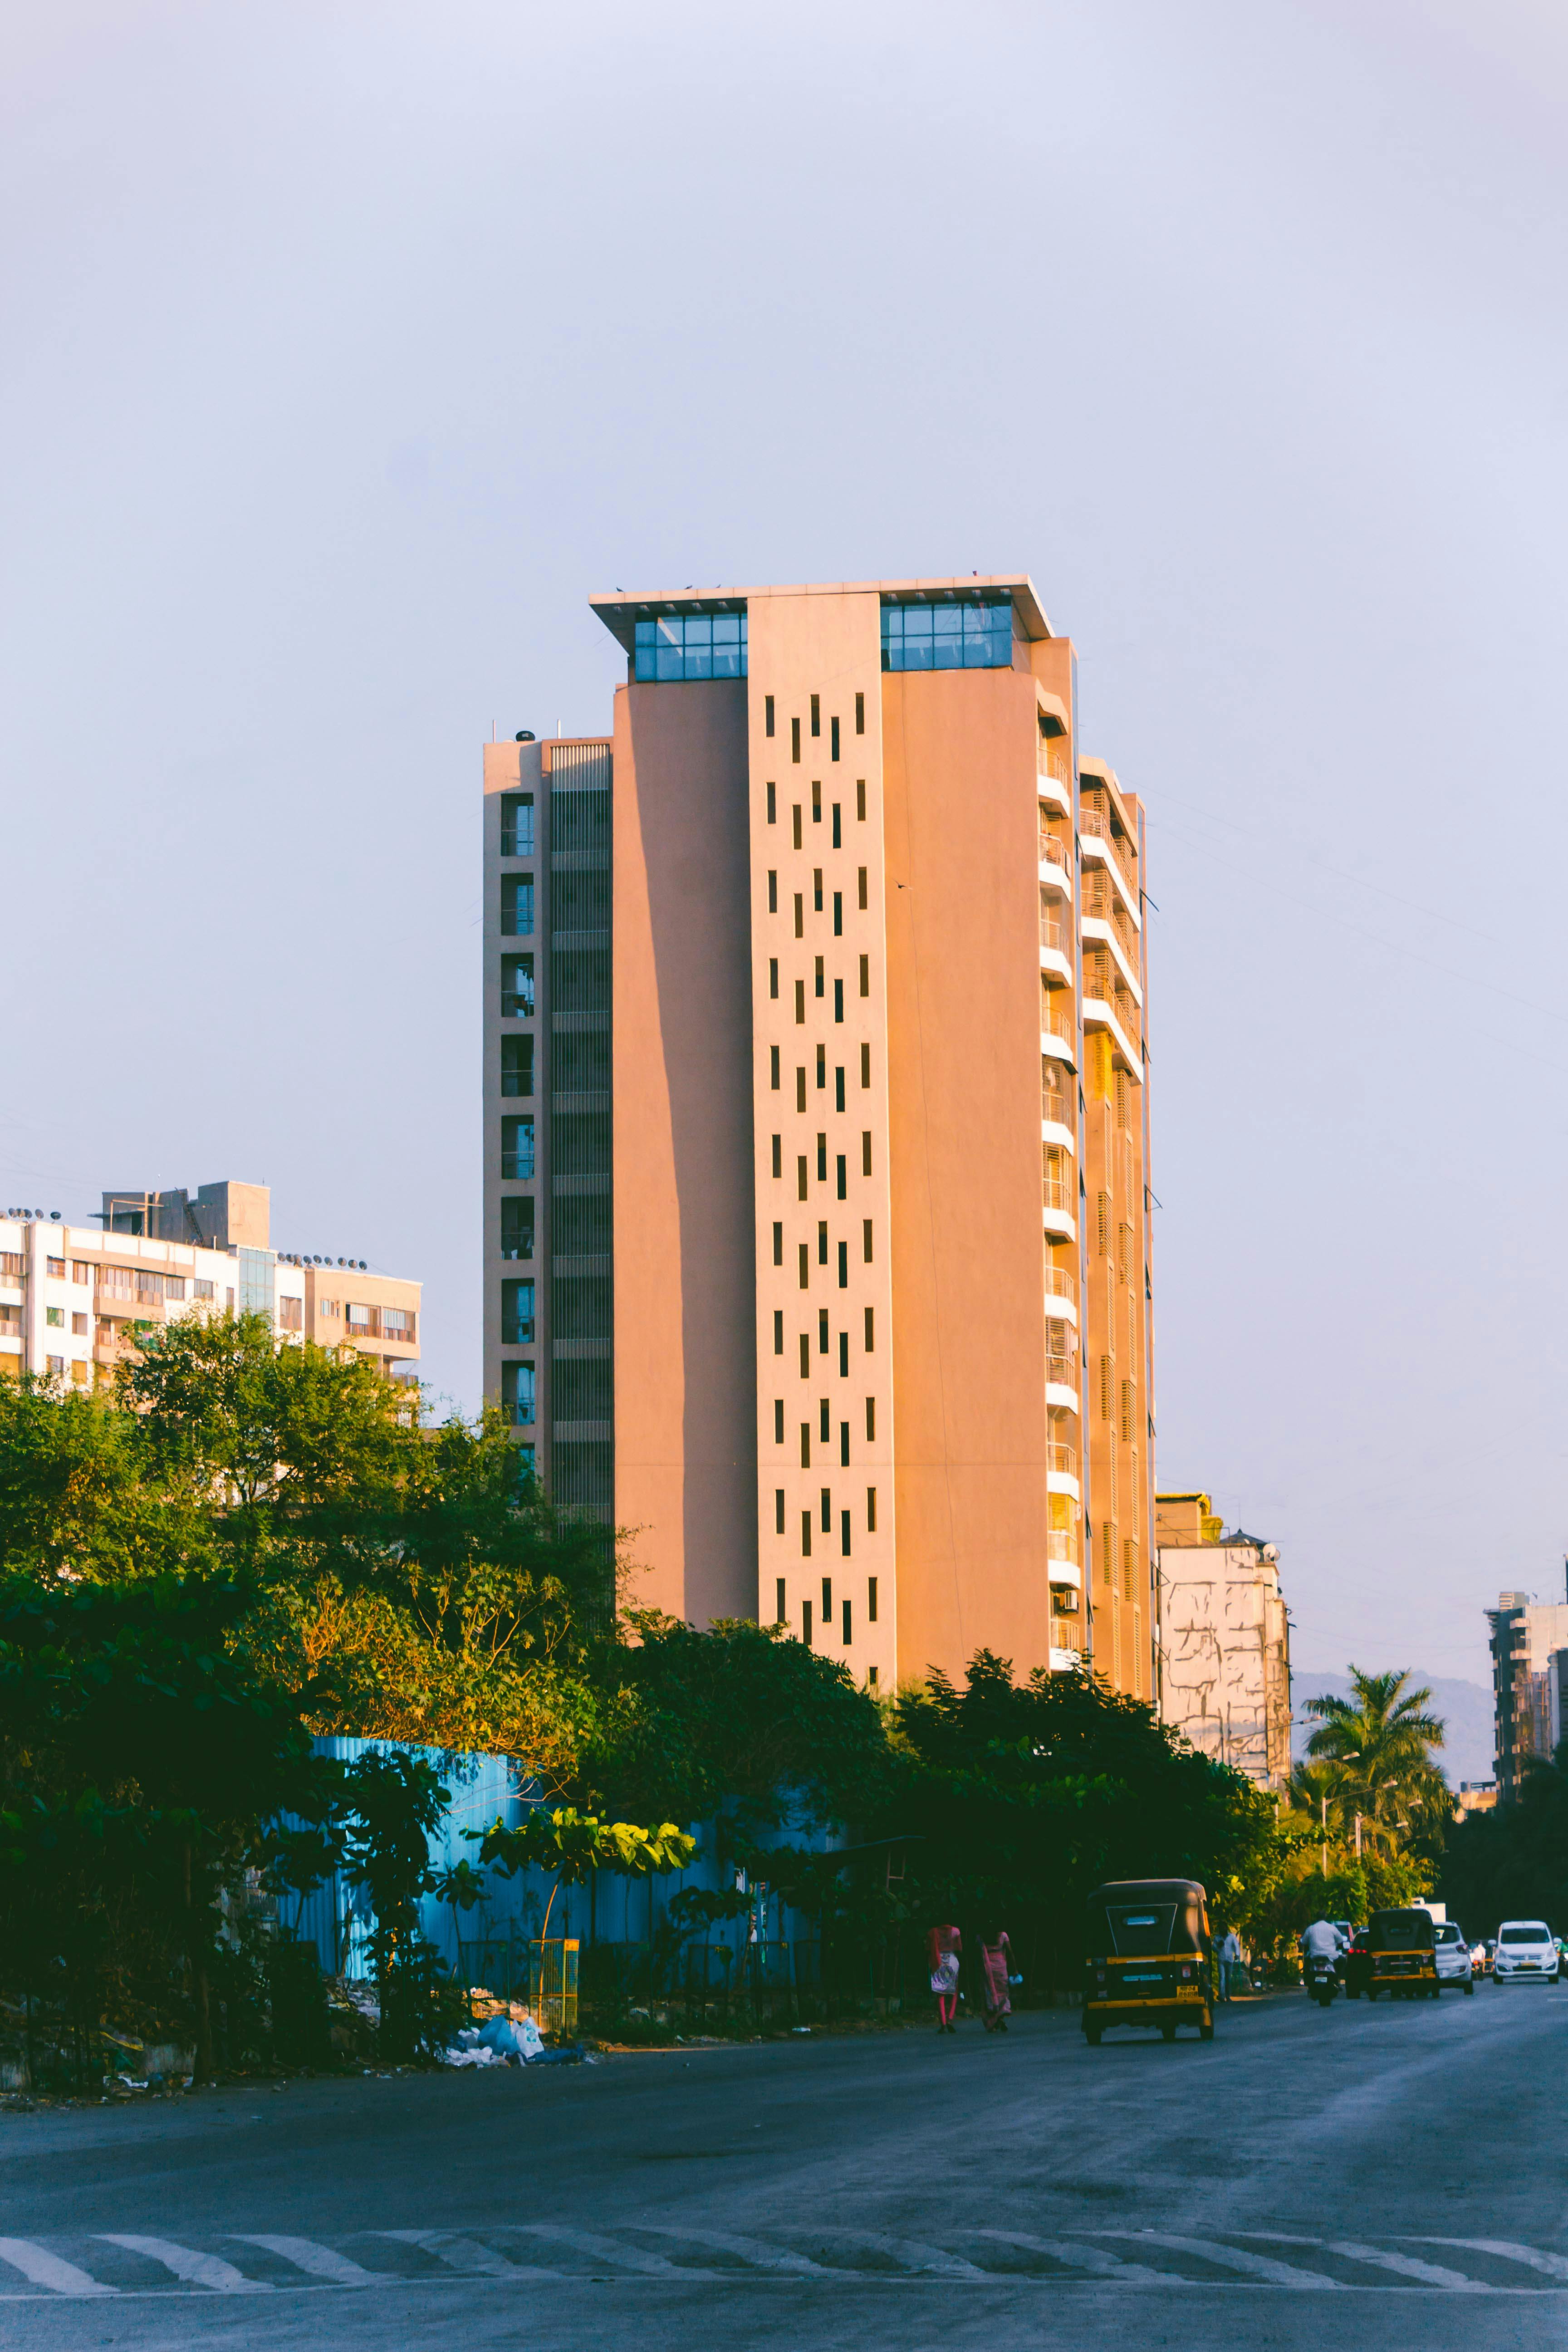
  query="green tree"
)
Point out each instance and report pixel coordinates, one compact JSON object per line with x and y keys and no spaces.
{"x":1375,"y":1753}
{"x":569,"y":1844}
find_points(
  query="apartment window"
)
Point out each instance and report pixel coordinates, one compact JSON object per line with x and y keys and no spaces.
{"x":817,"y":976}
{"x":871,"y":1530}
{"x":200,"y":1289}
{"x":778,"y":1330}
{"x":517,"y":1314}
{"x":517,"y":905}
{"x":806,"y":1533}
{"x":870,"y":1420}
{"x":833,"y":726}
{"x":822,"y":1242}
{"x":827,"y":1581}
{"x":844,"y":1445}
{"x":843,"y":1174}
{"x":517,"y":988}
{"x":801,"y":1175}
{"x":816,"y":816}
{"x":772,"y":890}
{"x":859,"y":800}
{"x":516,"y":1064}
{"x":799,"y":916}
{"x":57,"y":1368}
{"x":974,"y":634}
{"x":290,"y":1315}
{"x":794,"y":822}
{"x":800,"y":997}
{"x":774,"y":1068}
{"x":865,"y":975}
{"x":795,"y":748}
{"x":806,"y":1355}
{"x":816,"y":894}
{"x":778,"y":1155}
{"x":767,"y":714}
{"x":517,"y":1147}
{"x":837,"y":827}
{"x":822,"y":1066}
{"x":844,"y":1355}
{"x":80,"y":1270}
{"x":79,"y":1327}
{"x":517,"y":1225}
{"x":838,"y":995}
{"x":822,"y":1159}
{"x":865,"y":1152}
{"x":690,"y":646}
{"x":838,"y":919}
{"x":771,"y":791}
{"x":778,"y":1421}
{"x":55,"y":1316}
{"x":806,"y":1605}
{"x":55,"y":1268}
{"x":804,"y":1268}
{"x":361,"y":1321}
{"x":845,"y":1605}
{"x":824,"y":1339}
{"x":838,"y":1089}
{"x":10,"y":1266}
{"x":866,"y":1236}
{"x":517,"y":826}
{"x":865,"y":1066}
{"x":870,"y":1329}
{"x":778,"y":1245}
{"x":816,"y":714}
{"x":872,"y":1585}
{"x":861,"y":883}
{"x":773,"y":976}
{"x":843,"y":1265}
{"x":800,"y":1089}
{"x":517,"y":1394}
{"x":860,"y":729}
{"x":824,"y":1421}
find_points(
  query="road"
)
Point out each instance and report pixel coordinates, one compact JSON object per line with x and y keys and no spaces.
{"x":1380,"y":2174}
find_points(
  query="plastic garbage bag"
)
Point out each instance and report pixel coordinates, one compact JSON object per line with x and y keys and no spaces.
{"x":516,"y":2038}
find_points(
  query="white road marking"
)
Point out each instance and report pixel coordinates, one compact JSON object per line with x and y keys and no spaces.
{"x":196,"y":2270}
{"x":606,"y":2249}
{"x":932,"y":2260}
{"x":48,"y":2270}
{"x":1087,"y":2258}
{"x":1405,"y":2265}
{"x":466,"y":2255}
{"x":322,"y":2262}
{"x":1262,"y":2266}
{"x":752,"y":2250}
{"x":1553,"y":2266}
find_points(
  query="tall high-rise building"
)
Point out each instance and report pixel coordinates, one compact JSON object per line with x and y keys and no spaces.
{"x":816,"y":1243}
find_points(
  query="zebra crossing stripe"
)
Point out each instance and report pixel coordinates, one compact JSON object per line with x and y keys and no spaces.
{"x":321,"y":2261}
{"x":1235,"y":2258}
{"x":911,"y":2255}
{"x":36,"y":2262}
{"x":1553,"y":2266}
{"x":750,"y":2249}
{"x":605,"y":2250}
{"x":466,"y":2255}
{"x":196,"y":2270}
{"x":1084,"y":2258}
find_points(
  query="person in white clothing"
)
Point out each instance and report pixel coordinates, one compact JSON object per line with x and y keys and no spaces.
{"x":1230,"y":1963}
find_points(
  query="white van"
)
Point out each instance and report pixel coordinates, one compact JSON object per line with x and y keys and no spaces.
{"x":1526,"y":1953}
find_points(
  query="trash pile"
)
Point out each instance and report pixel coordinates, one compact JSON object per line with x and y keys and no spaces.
{"x":509,"y":2038}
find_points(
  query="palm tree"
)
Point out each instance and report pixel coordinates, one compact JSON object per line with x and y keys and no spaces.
{"x":1378,"y":1746}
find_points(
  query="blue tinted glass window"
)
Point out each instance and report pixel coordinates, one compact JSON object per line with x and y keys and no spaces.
{"x":690,"y":646}
{"x":517,"y":1393}
{"x":960,"y":636}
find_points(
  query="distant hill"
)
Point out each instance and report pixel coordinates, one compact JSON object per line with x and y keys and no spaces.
{"x":1466,"y":1709}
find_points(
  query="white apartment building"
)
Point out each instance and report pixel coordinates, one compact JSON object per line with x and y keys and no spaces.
{"x":1224,"y":1640}
{"x":74,"y":1298}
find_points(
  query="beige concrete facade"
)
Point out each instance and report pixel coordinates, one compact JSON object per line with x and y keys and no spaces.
{"x":1224,"y":1640}
{"x":876,"y":1279}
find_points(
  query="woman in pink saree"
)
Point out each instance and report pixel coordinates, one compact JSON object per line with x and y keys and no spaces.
{"x":944,"y":1947}
{"x":995,"y":1962}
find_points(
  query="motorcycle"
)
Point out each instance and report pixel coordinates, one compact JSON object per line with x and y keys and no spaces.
{"x":1322,"y":1979}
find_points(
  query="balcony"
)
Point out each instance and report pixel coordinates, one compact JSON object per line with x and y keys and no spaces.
{"x":1062,"y":1547}
{"x":1058,"y":1032}
{"x":1059,"y":1107}
{"x":1119,"y":1018}
{"x":1060,"y":1284}
{"x":1061,"y":1372}
{"x":1095,"y":832}
{"x":1061,"y":1459}
{"x":1055,"y":860}
{"x":517,"y":1004}
{"x":517,"y":1166}
{"x":517,"y":1333}
{"x":516,"y":840}
{"x":1054,"y":781}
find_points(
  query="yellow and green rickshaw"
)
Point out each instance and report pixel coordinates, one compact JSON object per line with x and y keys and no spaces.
{"x":1149,"y":1958}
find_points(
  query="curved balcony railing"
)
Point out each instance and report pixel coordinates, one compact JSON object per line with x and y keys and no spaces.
{"x":1059,"y":1192}
{"x":1062,"y":1371}
{"x":1062,"y":1543}
{"x":1059,"y":1284}
{"x":1054,"y":1023}
{"x":1054,"y":935}
{"x":1063,"y":1459}
{"x":1054,"y":852}
{"x":1121,"y":849}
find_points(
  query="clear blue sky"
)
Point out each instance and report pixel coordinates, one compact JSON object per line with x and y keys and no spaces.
{"x":348,"y":347}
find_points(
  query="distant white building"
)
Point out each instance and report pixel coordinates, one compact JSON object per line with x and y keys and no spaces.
{"x":74,"y":1298}
{"x":1223,"y":1641}
{"x":1526,"y":1638}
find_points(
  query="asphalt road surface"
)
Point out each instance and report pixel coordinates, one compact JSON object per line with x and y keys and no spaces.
{"x":1387,"y":2176}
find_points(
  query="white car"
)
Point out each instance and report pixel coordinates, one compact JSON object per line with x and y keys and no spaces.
{"x":1455,"y":1966}
{"x":1526,"y":1953}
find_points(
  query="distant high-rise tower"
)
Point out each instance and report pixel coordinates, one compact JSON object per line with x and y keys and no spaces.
{"x":817,"y":1247}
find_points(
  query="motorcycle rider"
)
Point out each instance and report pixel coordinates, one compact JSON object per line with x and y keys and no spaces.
{"x":1321,"y":1941}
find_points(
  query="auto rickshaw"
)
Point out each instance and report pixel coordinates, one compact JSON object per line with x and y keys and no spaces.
{"x":1150,"y":1958}
{"x":1402,"y":1951}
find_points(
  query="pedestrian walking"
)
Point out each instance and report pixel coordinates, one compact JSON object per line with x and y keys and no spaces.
{"x":1231,"y":1966}
{"x":945,"y":1947}
{"x":995,"y":1961}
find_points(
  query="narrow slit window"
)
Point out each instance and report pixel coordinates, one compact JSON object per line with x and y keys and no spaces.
{"x":778,"y":1421}
{"x":822,"y":1242}
{"x":767,"y":714}
{"x":773,"y":805}
{"x":816,"y":714}
{"x":805,"y":1444}
{"x":774,"y":1068}
{"x":799,"y":916}
{"x":806,"y":1355}
{"x":795,"y":741}
{"x":861,"y":878}
{"x":838,"y":1087}
{"x":824,"y":1419}
{"x":780,"y":1614}
{"x":800,"y":1176}
{"x":838,"y":914}
{"x":822,"y":1066}
{"x":833,"y":724}
{"x":859,"y":714}
{"x":865,"y":1064}
{"x":772,"y":975}
{"x":778,"y":1245}
{"x":817,"y":889}
{"x":806,"y":1605}
{"x":817,"y":803}
{"x":843,"y":1174}
{"x":844,"y":1546}
{"x":824,"y":1336}
{"x":778,"y":1155}
{"x":804,"y":1268}
{"x":844,"y":1355}
{"x":865,"y":1152}
{"x":843,"y":1265}
{"x":865,"y":1231}
{"x":817,"y":976}
{"x":870,"y":1329}
{"x":799,"y":1002}
{"x":871,"y":1516}
{"x":870,"y":1580}
{"x":870,"y":1420}
{"x":838,"y":998}
{"x":794,"y":824}
{"x":778,"y":1330}
{"x":822,"y":1159}
{"x":865,"y":975}
{"x":844,"y":1445}
{"x":772,"y":890}
{"x":800,"y":1089}
{"x":861,"y":800}
{"x":837,"y":828}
